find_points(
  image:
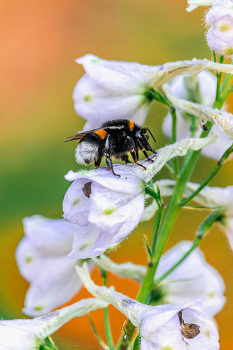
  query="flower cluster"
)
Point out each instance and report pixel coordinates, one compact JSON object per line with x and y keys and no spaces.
{"x":180,"y":292}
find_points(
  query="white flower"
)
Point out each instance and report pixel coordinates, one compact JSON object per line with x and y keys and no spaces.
{"x":30,"y":334}
{"x":220,"y":34}
{"x":201,"y":89}
{"x":194,"y":279}
{"x":116,"y":90}
{"x":223,"y":120}
{"x":193,"y":4}
{"x":113,"y":206}
{"x":42,"y":259}
{"x":161,"y":327}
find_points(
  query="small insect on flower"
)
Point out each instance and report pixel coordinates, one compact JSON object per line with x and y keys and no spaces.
{"x":114,"y":138}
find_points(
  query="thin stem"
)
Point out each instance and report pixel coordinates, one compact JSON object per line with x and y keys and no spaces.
{"x":96,"y":333}
{"x":210,"y":177}
{"x":174,"y":123}
{"x":219,"y":75}
{"x":214,"y":56}
{"x":156,"y":230}
{"x":106,"y":317}
{"x":194,"y":246}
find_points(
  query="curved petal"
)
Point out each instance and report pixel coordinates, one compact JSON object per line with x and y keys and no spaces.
{"x":223,"y":120}
{"x":76,"y":204}
{"x":31,"y":261}
{"x":98,"y":105}
{"x":29,"y":334}
{"x":166,"y":337}
{"x":54,"y":286}
{"x":84,"y":242}
{"x":53,"y":236}
{"x":192,"y":280}
{"x":109,"y":208}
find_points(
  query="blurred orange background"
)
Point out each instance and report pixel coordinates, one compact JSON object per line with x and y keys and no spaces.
{"x":39,"y":42}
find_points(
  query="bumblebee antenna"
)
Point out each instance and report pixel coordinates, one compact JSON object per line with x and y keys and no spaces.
{"x":150,"y":133}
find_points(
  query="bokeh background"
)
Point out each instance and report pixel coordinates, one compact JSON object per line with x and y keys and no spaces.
{"x":39,"y":42}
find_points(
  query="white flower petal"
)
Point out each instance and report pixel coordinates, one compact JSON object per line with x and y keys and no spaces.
{"x":31,"y":261}
{"x":97,"y":105}
{"x":164,"y":154}
{"x":192,"y":280}
{"x":50,"y":235}
{"x":29,"y":334}
{"x":76,"y":204}
{"x":109,"y":208}
{"x":193,"y":4}
{"x":208,"y":337}
{"x":166,"y":337}
{"x":84,"y":242}
{"x":137,"y":272}
{"x":224,"y":120}
{"x":131,"y":77}
{"x":53,"y":286}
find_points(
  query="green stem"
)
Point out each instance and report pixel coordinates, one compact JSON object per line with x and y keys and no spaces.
{"x":202,"y":230}
{"x":174,"y":124}
{"x":195,"y":244}
{"x":106,"y":317}
{"x":96,"y":333}
{"x":210,"y":177}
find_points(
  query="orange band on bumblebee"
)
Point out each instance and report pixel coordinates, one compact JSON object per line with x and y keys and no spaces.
{"x":101,"y":133}
{"x":130,"y":125}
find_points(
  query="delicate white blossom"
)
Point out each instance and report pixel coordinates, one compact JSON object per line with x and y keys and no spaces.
{"x":193,"y":4}
{"x":30,"y":334}
{"x":220,"y":33}
{"x":116,"y":90}
{"x":194,"y":279}
{"x":200,"y":89}
{"x":113,"y":206}
{"x":42,"y":259}
{"x":161,"y":327}
{"x":222,"y":119}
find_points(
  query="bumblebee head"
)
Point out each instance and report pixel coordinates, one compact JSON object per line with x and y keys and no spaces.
{"x":144,"y":131}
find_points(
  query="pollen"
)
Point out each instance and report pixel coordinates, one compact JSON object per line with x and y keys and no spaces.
{"x":109,"y":210}
{"x":229,"y":51}
{"x":28,"y":259}
{"x":166,"y":347}
{"x":88,"y":98}
{"x":130,"y":124}
{"x":101,"y":133}
{"x":38,"y":307}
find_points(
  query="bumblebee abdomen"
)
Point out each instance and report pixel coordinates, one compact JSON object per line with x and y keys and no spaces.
{"x":88,"y":150}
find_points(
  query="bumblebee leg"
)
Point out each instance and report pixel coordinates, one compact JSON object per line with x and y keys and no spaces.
{"x":142,"y":148}
{"x":109,"y":165}
{"x":134,"y":156}
{"x":148,"y":146}
{"x":107,"y":155}
{"x":125,"y":158}
{"x":97,"y":162}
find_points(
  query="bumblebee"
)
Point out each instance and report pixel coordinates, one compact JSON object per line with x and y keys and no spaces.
{"x":113,"y":139}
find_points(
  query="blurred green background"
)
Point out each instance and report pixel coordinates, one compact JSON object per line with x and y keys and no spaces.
{"x":39,"y":43}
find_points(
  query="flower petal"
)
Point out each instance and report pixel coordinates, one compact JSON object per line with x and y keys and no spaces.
{"x":98,"y":105}
{"x":224,"y":120}
{"x":137,"y":272}
{"x":53,"y":286}
{"x":84,"y":242}
{"x":53,"y":236}
{"x":76,"y":204}
{"x":28,"y":334}
{"x":192,"y":280}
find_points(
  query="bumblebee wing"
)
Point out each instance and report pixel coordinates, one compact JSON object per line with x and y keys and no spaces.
{"x":80,"y":135}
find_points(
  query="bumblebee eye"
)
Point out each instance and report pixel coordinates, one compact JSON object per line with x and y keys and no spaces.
{"x":144,"y":130}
